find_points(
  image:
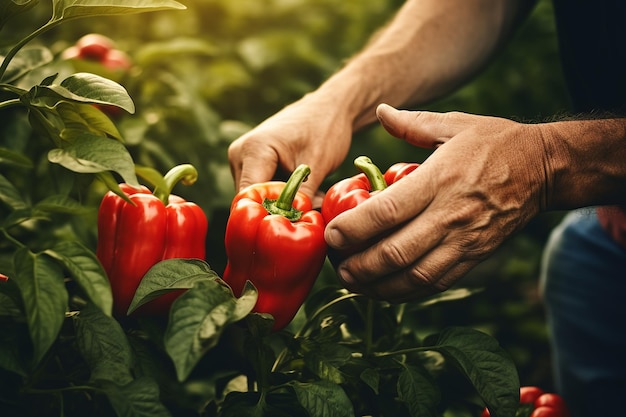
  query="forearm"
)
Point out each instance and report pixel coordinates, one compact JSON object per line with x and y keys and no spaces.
{"x":427,"y":50}
{"x":585,"y":163}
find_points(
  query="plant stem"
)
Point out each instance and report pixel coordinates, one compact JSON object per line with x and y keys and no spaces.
{"x":185,"y":173}
{"x":16,"y":48}
{"x":10,"y":103}
{"x":12,"y":239}
{"x":369,"y":326}
{"x":374,"y":176}
{"x":306,"y":325}
{"x":283,"y":205}
{"x":401,"y":352}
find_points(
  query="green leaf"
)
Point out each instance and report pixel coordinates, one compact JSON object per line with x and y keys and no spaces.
{"x":12,"y":8}
{"x":61,"y":204}
{"x":170,"y":49}
{"x":487,"y":366}
{"x":197,"y":319}
{"x":8,"y":157}
{"x":103,"y":344}
{"x":44,"y":295}
{"x":326,"y":359}
{"x":418,"y":392}
{"x":323,"y":399}
{"x":14,"y":346}
{"x":10,"y":195}
{"x":20,"y":216}
{"x":81,"y":87}
{"x":450,"y":295}
{"x":239,"y":404}
{"x":25,"y":61}
{"x":85,"y":269}
{"x":170,"y":275}
{"x":371,"y":377}
{"x":139,"y":398}
{"x":111,"y":183}
{"x":86,"y":117}
{"x":89,"y":153}
{"x":67,"y":9}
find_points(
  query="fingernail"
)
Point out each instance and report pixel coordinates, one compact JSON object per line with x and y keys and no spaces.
{"x":345,"y":276}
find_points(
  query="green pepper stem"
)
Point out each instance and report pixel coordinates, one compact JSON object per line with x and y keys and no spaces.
{"x":185,"y":173}
{"x":283,"y":205}
{"x":374,"y":176}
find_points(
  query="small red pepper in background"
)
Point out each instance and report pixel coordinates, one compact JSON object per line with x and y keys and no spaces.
{"x":398,"y":171}
{"x":535,"y":402}
{"x":156,"y":226}
{"x":350,"y":192}
{"x":275,"y":239}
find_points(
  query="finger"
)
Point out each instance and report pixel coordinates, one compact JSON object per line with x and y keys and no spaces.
{"x":437,"y":271}
{"x":394,"y":253}
{"x":421,"y":128}
{"x":251,"y":166}
{"x":382,"y":212}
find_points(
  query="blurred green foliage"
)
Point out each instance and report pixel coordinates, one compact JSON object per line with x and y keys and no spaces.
{"x":206,"y":75}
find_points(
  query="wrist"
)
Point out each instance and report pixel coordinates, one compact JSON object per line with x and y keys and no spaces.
{"x":585,"y":162}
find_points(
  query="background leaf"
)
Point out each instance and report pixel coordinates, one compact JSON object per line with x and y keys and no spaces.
{"x":25,"y":61}
{"x":139,"y":398}
{"x":103,"y":344}
{"x":170,"y":275}
{"x":10,"y":195}
{"x":66,"y":9}
{"x":323,"y":399}
{"x":83,"y":88}
{"x":45,"y":298}
{"x":62,"y":204}
{"x":197,"y":319}
{"x":87,"y":117}
{"x":89,"y":153}
{"x":87,"y":271}
{"x":487,"y":366}
{"x":9,"y":157}
{"x":12,"y":8}
{"x":418,"y":392}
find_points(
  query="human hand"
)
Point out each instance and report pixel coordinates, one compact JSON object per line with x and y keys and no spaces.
{"x":485,"y":180}
{"x":311,"y":131}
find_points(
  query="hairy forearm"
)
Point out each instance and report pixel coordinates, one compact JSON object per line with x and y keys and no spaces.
{"x":427,"y":50}
{"x":585,"y":163}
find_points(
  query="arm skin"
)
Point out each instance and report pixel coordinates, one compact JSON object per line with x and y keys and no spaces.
{"x":487,"y":178}
{"x":429,"y":48}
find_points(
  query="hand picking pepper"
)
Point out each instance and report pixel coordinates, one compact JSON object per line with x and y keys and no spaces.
{"x":275,"y":240}
{"x":535,"y":402}
{"x":350,"y":192}
{"x":156,"y":226}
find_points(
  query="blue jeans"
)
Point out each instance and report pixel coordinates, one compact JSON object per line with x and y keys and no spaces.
{"x":583,"y":282}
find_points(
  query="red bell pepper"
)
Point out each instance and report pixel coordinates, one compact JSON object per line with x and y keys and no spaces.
{"x":350,"y":192}
{"x":156,"y":226}
{"x":275,"y":240}
{"x":535,"y":402}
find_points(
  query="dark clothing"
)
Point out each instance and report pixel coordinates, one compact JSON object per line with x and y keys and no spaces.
{"x":592,"y":43}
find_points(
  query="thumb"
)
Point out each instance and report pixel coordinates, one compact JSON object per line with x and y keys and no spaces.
{"x":420,"y":128}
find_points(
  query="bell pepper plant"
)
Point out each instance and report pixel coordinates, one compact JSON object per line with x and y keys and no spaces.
{"x":148,"y":227}
{"x":275,"y":239}
{"x":350,"y":192}
{"x":535,"y":402}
